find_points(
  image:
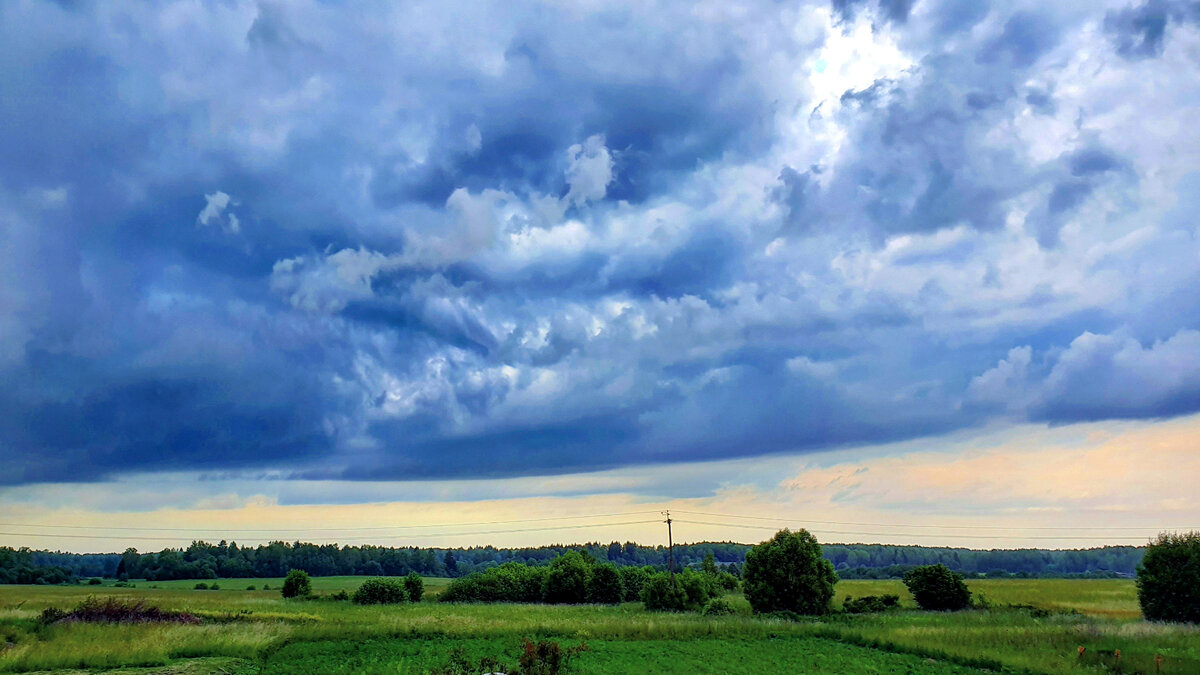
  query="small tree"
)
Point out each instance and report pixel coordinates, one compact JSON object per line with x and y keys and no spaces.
{"x":661,"y":593}
{"x":567,"y":580}
{"x":937,"y":588}
{"x":414,"y":585}
{"x":1168,"y":580}
{"x":709,"y":566}
{"x":788,"y":573}
{"x":605,"y":585}
{"x":296,"y":584}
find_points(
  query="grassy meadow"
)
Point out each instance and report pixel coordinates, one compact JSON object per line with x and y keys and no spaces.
{"x":256,"y":631}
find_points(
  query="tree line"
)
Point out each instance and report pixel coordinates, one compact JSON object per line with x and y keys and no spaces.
{"x":204,"y":560}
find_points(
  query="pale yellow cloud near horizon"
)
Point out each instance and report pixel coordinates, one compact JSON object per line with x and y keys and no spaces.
{"x":1026,"y":486}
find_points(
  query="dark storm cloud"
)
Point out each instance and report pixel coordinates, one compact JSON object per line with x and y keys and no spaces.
{"x":494,"y":240}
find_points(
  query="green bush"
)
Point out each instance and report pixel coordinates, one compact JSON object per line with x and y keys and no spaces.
{"x":567,"y":580}
{"x":661,"y":593}
{"x":380,"y":591}
{"x":870,"y":603}
{"x":604,"y":587}
{"x":717,"y":607}
{"x":632,"y":579}
{"x":251,"y":587}
{"x":510,"y":582}
{"x":94,"y":582}
{"x":698,"y":587}
{"x":1168,"y":580}
{"x":788,"y":573}
{"x":296,"y":584}
{"x":935,"y":587}
{"x":414,"y":586}
{"x":201,"y":586}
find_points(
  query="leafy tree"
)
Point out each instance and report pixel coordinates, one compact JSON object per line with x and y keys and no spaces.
{"x":604,"y":587}
{"x":709,"y":566}
{"x":632,"y":579}
{"x":297,"y":584}
{"x":451,"y":564}
{"x":787,"y":573}
{"x":661,"y":593}
{"x":567,"y":580}
{"x":1168,"y":580}
{"x":937,"y":588}
{"x":414,"y":586}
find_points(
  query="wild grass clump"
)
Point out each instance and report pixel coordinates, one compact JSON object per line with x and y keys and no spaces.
{"x":114,"y":610}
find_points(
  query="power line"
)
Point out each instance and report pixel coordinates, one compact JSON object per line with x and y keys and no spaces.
{"x":956,"y":527}
{"x":894,"y":534}
{"x":327,"y":529}
{"x":371,"y":538}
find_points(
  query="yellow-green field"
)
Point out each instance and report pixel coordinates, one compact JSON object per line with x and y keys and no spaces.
{"x":257,"y":631}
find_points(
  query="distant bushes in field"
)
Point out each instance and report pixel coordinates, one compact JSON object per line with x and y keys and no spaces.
{"x":688,"y":590}
{"x":787,"y":573}
{"x":1168,"y":581}
{"x":510,"y":582}
{"x":296,"y":584}
{"x":575,"y":578}
{"x":94,"y":581}
{"x":380,"y":591}
{"x":936,"y":587}
{"x":870,"y":604}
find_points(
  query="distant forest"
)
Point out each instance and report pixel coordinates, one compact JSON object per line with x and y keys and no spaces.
{"x":203,"y":560}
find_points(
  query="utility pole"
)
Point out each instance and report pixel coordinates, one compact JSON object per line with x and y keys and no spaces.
{"x":670,"y":545}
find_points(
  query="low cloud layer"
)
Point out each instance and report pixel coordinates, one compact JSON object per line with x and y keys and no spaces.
{"x":505,"y":240}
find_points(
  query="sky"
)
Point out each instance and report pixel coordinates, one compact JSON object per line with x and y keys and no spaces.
{"x":908,"y":271}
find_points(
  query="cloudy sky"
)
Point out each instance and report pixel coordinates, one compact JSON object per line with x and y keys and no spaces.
{"x":924,"y":266}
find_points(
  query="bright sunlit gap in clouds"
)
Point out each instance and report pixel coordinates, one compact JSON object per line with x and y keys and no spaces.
{"x":1099,"y":483}
{"x":900,"y":272}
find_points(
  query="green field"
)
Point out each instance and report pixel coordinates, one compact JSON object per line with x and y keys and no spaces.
{"x":259,"y":632}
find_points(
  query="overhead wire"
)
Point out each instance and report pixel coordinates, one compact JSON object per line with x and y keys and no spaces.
{"x":375,"y":537}
{"x":897,"y":534}
{"x":972,"y":527}
{"x":329,"y":529}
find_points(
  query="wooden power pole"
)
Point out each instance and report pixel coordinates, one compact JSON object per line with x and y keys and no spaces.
{"x":670,"y":545}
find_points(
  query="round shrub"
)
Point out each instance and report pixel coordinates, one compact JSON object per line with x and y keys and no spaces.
{"x":94,"y":582}
{"x":936,"y":588}
{"x":201,"y":586}
{"x":717,"y":607}
{"x":296,"y":584}
{"x":380,"y":591}
{"x":414,"y":586}
{"x":788,"y":573}
{"x":251,"y":587}
{"x":605,"y":585}
{"x":1168,"y":580}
